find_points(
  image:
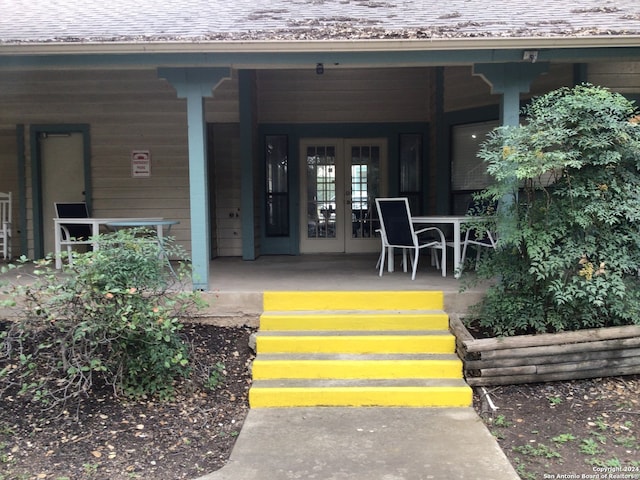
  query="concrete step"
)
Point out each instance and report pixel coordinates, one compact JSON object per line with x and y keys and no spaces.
{"x":356,"y":349}
{"x":361,"y":393}
{"x":350,"y":366}
{"x":406,"y":341}
{"x":345,"y":321}
{"x":355,"y":300}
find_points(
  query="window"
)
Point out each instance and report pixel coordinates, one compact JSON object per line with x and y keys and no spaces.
{"x":468,"y":172}
{"x":277,"y":185}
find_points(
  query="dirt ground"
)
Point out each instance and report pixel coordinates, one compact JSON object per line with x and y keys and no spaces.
{"x":548,"y":431}
{"x":578,"y":429}
{"x":185,"y":438}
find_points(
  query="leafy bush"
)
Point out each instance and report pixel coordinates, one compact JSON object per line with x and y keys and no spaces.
{"x":569,"y":246}
{"x":112,"y":318}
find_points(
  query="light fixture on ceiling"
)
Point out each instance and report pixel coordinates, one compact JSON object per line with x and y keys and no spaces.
{"x":531,"y":55}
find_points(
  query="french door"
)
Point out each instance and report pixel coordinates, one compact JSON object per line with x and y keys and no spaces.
{"x":340,"y":179}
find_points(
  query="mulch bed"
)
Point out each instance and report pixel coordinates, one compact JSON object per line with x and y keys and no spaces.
{"x":110,"y":438}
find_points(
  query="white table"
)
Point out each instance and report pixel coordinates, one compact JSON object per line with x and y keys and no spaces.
{"x":159,"y":224}
{"x":95,"y":224}
{"x":456,"y":221}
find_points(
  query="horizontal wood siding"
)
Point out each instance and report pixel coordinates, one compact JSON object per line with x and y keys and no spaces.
{"x":126,"y":110}
{"x":623,"y":77}
{"x":357,"y":95}
{"x":227,"y":201}
{"x":463,"y":90}
{"x":559,"y":75}
{"x":222,"y":107}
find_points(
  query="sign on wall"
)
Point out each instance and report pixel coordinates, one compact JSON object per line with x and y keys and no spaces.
{"x":140,"y":163}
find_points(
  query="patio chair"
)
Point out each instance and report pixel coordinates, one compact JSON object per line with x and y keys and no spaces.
{"x":73,"y":234}
{"x":5,"y":225}
{"x":479,"y":237}
{"x":397,"y":232}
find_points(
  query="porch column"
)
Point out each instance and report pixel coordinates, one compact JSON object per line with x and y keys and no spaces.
{"x":195,"y":84}
{"x":247,"y":146}
{"x":510,"y":80}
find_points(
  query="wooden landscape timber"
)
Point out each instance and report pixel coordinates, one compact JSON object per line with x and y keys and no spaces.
{"x":591,"y":353}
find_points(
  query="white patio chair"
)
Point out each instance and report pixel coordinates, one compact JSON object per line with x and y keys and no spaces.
{"x":480,"y":237}
{"x":397,"y":232}
{"x":435,"y":261}
{"x":5,"y":225}
{"x":73,"y":234}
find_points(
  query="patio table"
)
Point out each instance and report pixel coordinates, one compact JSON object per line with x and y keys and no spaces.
{"x":95,"y":223}
{"x":159,"y":224}
{"x":159,"y":227}
{"x":456,"y":221}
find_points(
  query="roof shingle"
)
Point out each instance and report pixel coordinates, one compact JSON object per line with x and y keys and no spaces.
{"x":28,"y":21}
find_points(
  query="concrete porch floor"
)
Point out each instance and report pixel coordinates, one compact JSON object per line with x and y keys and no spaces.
{"x":236,"y":285}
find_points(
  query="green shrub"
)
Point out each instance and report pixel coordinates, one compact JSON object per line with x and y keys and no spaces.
{"x":569,"y":246}
{"x":112,"y":318}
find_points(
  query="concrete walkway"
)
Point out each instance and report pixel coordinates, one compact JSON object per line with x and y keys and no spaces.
{"x":329,"y":443}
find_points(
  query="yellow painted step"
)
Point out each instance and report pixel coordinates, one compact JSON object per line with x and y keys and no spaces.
{"x":356,"y":300}
{"x":355,"y":342}
{"x":268,"y":366}
{"x":387,"y":393}
{"x":426,"y":320}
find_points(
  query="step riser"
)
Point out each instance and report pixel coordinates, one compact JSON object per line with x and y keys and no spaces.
{"x":356,"y":344}
{"x":359,"y":397}
{"x":298,"y":301}
{"x":363,"y":322}
{"x":355,"y":369}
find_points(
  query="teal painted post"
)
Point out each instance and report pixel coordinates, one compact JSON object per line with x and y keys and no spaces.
{"x":22,"y":187}
{"x":199,"y":192}
{"x":247,"y":143}
{"x":194,"y":84}
{"x":442,"y":162}
{"x":510,"y":115}
{"x":509,"y":79}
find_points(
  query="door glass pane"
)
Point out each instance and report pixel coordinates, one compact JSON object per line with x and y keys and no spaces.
{"x":365,"y":187}
{"x":277,"y":188}
{"x":321,"y":192}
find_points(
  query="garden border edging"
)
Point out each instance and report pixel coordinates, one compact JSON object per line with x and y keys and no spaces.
{"x":591,"y":353}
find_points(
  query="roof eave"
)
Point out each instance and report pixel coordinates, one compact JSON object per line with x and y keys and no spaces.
{"x":56,"y":47}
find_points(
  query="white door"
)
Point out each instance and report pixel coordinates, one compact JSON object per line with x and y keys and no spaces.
{"x":340,"y":178}
{"x":62,"y":173}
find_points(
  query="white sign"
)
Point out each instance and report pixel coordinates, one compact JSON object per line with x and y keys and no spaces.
{"x":140,"y":163}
